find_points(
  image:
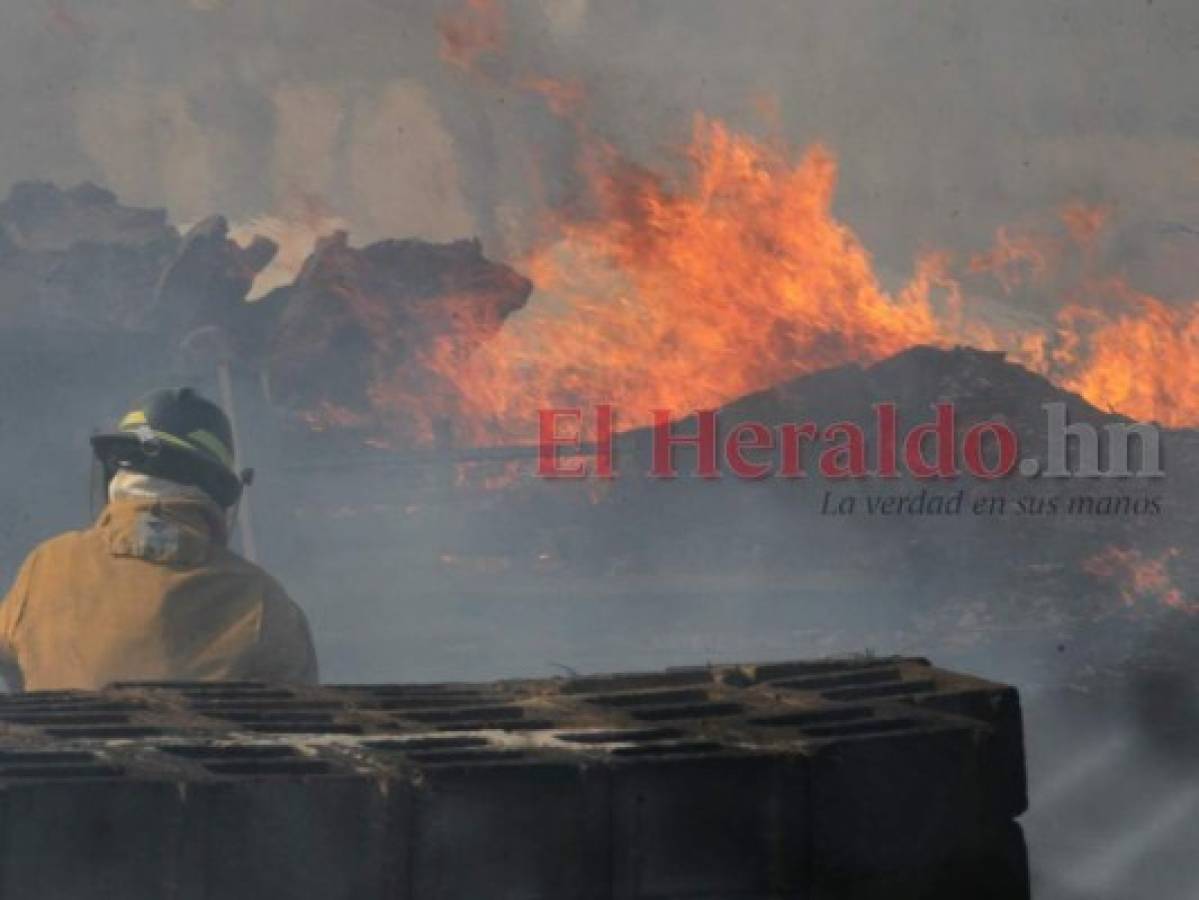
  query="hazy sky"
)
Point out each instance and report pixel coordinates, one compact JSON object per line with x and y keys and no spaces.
{"x":949,"y":118}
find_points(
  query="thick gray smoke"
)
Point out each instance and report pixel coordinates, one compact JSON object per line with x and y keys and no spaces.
{"x":948,"y":118}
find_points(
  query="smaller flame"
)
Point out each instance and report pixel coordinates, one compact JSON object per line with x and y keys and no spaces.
{"x":326,"y":416}
{"x":1140,"y":577}
{"x":1015,"y":259}
{"x":1085,"y":221}
{"x":1132,"y":353}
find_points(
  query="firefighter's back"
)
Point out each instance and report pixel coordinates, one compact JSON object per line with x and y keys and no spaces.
{"x":151,"y":593}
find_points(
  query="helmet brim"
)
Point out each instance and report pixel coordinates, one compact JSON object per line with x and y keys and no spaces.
{"x":117,"y":450}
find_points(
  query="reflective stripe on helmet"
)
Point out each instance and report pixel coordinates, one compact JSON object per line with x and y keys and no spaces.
{"x":213,"y":445}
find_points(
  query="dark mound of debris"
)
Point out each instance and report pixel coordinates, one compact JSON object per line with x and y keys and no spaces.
{"x":206,"y":284}
{"x":1073,"y":538}
{"x":40,"y":217}
{"x":982,"y":386}
{"x":78,"y":258}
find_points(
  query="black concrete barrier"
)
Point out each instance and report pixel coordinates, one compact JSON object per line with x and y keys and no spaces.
{"x":859,"y":778}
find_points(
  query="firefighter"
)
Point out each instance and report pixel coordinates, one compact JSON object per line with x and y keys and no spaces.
{"x":151,"y":591}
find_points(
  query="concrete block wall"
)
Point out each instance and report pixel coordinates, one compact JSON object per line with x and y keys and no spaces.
{"x":860,"y":778}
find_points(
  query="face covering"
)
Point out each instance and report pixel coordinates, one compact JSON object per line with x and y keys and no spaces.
{"x":130,"y":485}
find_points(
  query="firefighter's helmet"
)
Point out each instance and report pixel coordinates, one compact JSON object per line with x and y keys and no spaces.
{"x":178,"y":435}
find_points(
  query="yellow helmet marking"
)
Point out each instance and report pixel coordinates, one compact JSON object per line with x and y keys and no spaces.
{"x":133,"y":420}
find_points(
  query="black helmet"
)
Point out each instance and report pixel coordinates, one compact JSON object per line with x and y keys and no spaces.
{"x":178,"y":435}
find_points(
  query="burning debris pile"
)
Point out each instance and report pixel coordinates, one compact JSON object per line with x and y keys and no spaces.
{"x":363,"y":335}
{"x":1047,"y":553}
{"x":681,"y":290}
{"x":1081,"y":515}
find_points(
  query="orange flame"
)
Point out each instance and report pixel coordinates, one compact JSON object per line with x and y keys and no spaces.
{"x":1014,"y":259}
{"x":688,"y":295}
{"x":688,"y":292}
{"x":326,"y":416}
{"x":1131,"y":353}
{"x":1121,"y":349}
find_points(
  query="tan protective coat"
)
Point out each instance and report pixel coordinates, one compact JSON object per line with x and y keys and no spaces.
{"x":150,"y":592}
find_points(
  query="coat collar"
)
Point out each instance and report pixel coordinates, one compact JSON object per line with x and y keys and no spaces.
{"x":200,"y":516}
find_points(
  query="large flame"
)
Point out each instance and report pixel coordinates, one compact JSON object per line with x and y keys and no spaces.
{"x":688,"y":294}
{"x":688,"y":290}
